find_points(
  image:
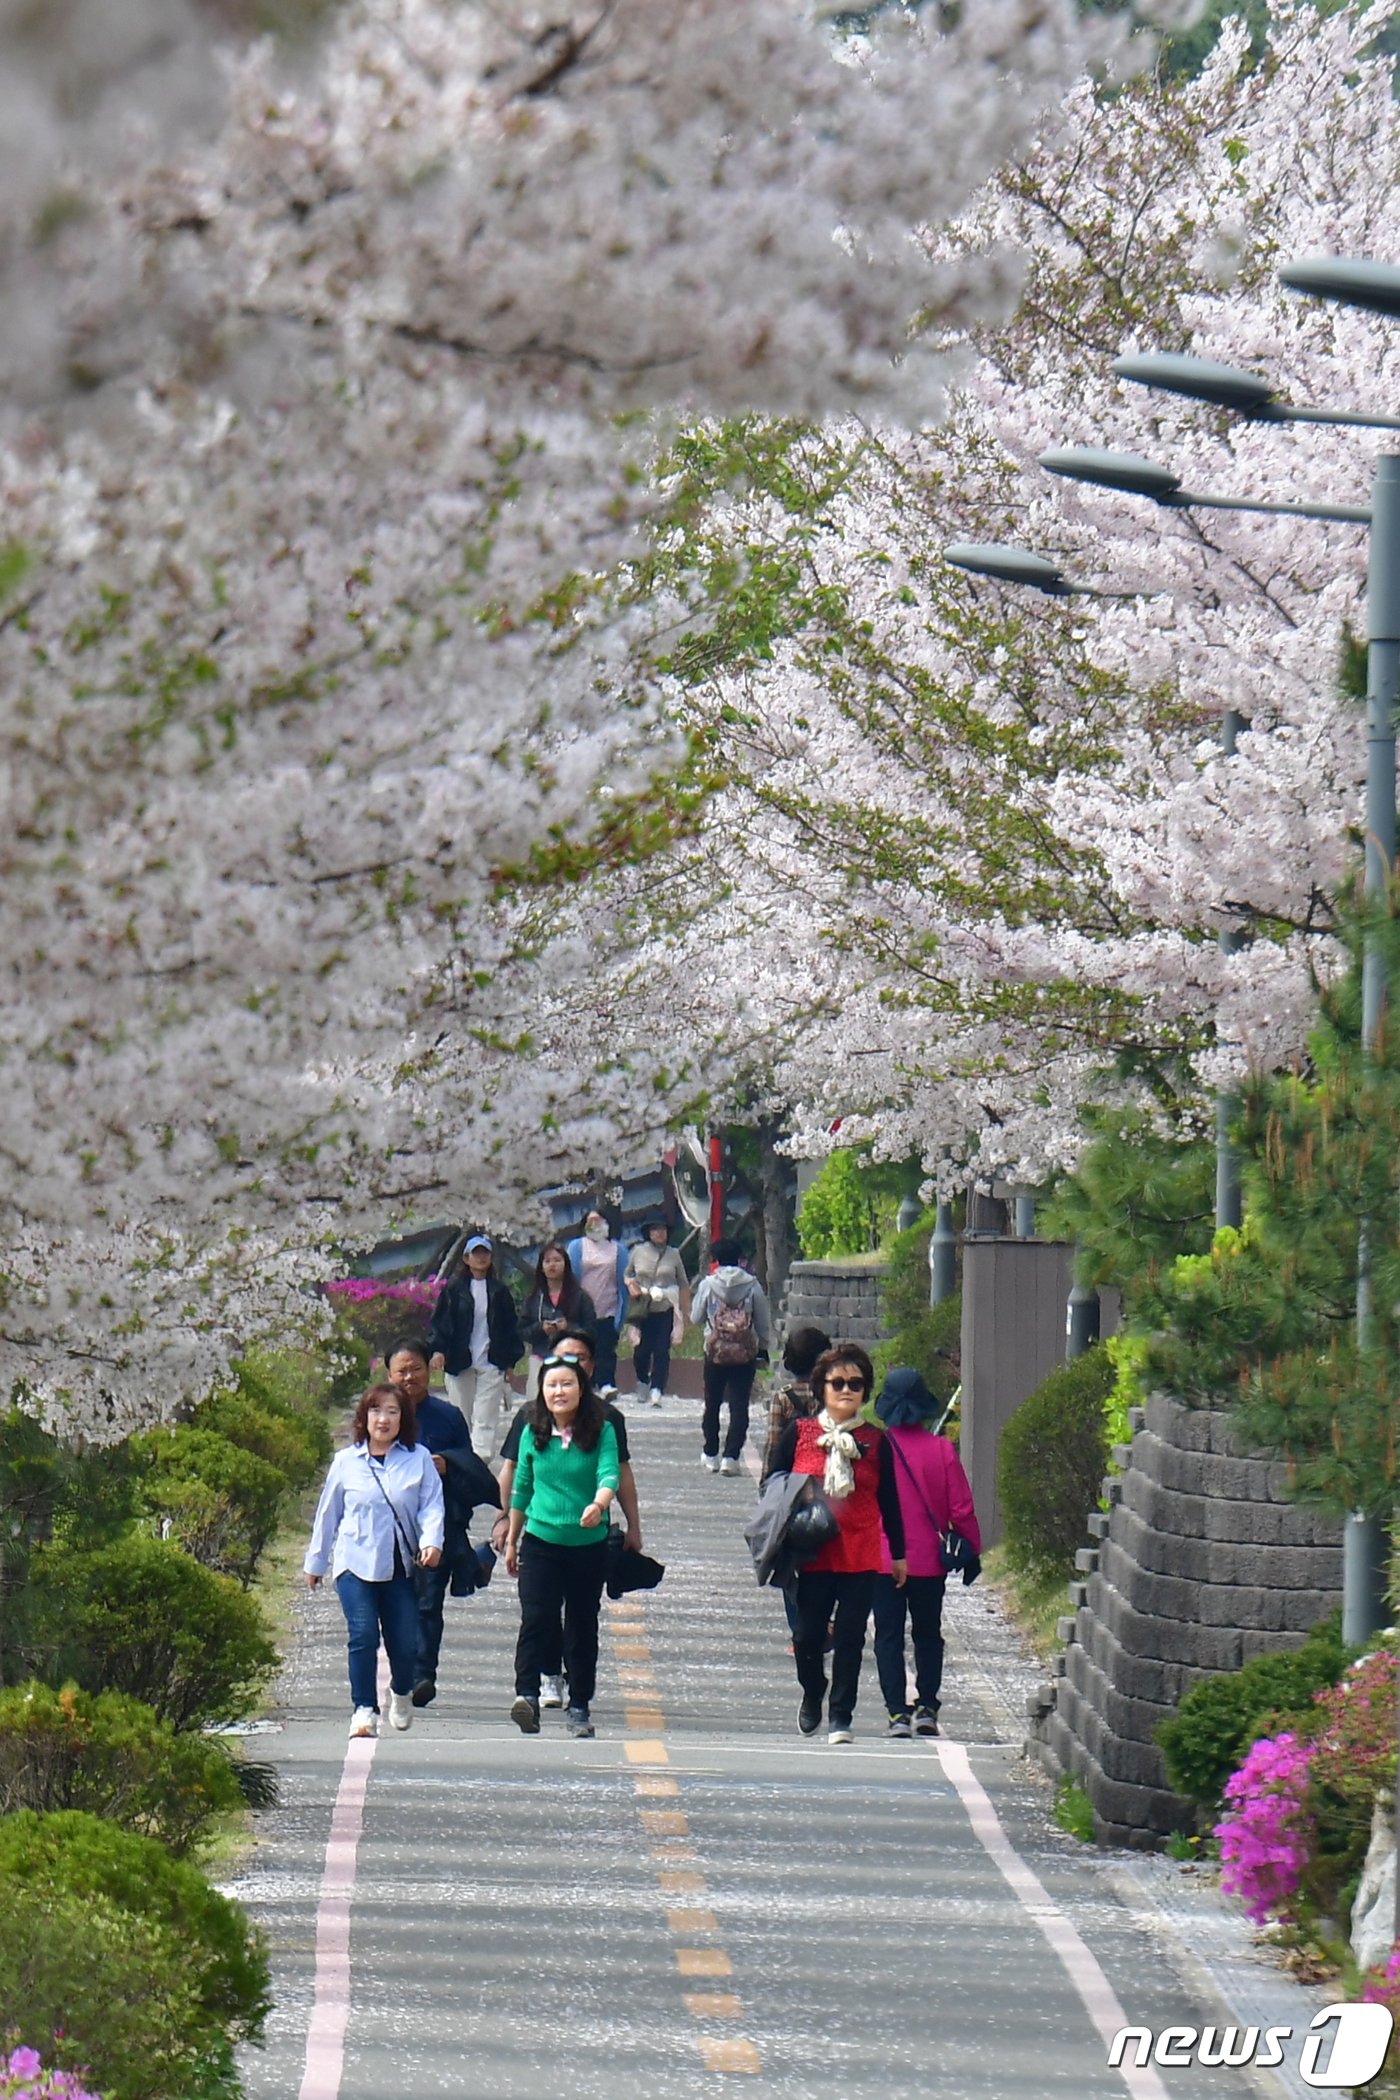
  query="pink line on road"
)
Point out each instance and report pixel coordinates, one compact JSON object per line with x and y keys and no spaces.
{"x":330,"y":2013}
{"x":1096,"y":1993}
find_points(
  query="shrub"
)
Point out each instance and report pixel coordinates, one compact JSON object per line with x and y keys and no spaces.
{"x":110,"y":1755}
{"x":277,"y":1405}
{"x":928,"y":1337}
{"x":1053,"y":1455}
{"x":141,"y":1617}
{"x":24,"y":2078}
{"x":379,"y":1313}
{"x":1074,"y":1811}
{"x":1206,"y":1739}
{"x":119,"y":1958}
{"x":1267,"y":1831}
{"x":219,"y":1502}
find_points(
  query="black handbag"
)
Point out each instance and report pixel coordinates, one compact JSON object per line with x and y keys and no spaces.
{"x":954,"y":1550}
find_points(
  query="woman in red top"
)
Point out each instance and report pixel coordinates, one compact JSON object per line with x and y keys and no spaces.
{"x":852,"y":1460}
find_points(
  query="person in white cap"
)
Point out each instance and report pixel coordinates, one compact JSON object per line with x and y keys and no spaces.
{"x":476,"y":1339}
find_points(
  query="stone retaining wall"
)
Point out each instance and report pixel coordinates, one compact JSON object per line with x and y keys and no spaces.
{"x":842,"y":1297}
{"x":1201,"y":1564}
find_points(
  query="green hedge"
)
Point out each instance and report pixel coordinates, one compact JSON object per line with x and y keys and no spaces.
{"x":113,"y":1757}
{"x":1207,"y":1737}
{"x":1053,"y":1456}
{"x":218,"y":1501}
{"x":926,"y":1337}
{"x":141,"y":1617}
{"x":117,"y":1957}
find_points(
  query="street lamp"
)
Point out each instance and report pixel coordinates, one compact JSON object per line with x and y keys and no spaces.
{"x":1016,"y":565}
{"x":1375,"y":287}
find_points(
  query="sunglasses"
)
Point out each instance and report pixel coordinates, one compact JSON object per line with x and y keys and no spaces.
{"x":845,"y":1385}
{"x":560,"y":1363}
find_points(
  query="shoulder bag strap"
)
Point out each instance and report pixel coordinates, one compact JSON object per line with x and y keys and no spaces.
{"x":913,"y":1482}
{"x":400,"y":1530}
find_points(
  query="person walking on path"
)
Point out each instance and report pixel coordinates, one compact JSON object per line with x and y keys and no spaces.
{"x":856,"y":1468}
{"x":578,"y":1348}
{"x":556,"y":1301}
{"x":467,"y":1486}
{"x":732,"y":1309}
{"x":557,"y":1540}
{"x":658,"y":1289}
{"x":793,"y":1401}
{"x":380,"y":1512}
{"x":933,"y":1495}
{"x":474,"y":1335}
{"x":600,"y":1264}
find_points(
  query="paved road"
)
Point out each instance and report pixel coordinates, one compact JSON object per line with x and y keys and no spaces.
{"x":698,"y":1898}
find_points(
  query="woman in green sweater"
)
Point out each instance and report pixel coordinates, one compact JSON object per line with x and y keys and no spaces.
{"x":557,"y":1542}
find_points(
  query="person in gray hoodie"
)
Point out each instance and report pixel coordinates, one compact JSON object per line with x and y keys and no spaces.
{"x":733,"y":1311}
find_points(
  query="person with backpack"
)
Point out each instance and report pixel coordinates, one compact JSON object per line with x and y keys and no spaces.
{"x":475,"y":1337}
{"x":658,"y":1290}
{"x":934,"y":1499}
{"x":732,"y":1309}
{"x":853,"y":1461}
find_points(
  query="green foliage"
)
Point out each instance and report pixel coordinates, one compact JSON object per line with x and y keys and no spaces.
{"x":1141,"y":1196}
{"x":1053,"y":1455}
{"x":47,"y":1487}
{"x":277,"y":1406}
{"x":1128,"y":1354}
{"x":112,"y":1756}
{"x":219,"y":1502}
{"x":851,"y":1206}
{"x":1206,"y":1739}
{"x":141,"y":1617}
{"x":927,"y":1337}
{"x":139,"y":1968}
{"x":1074,"y":1811}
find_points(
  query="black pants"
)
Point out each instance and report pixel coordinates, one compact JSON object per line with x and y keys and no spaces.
{"x":431,"y":1585}
{"x":605,"y":1353}
{"x":819,"y":1597}
{"x":555,"y":1582}
{"x":729,"y":1384}
{"x":922,"y":1599}
{"x":652,"y":1355}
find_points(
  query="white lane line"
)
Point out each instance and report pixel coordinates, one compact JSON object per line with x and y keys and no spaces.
{"x":330,"y":2010}
{"x":1096,"y":1993}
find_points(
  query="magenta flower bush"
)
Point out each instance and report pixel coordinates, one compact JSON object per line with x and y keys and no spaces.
{"x":379,"y":1312}
{"x":364,"y":1290}
{"x":1266,"y":1838}
{"x":23,"y":2077}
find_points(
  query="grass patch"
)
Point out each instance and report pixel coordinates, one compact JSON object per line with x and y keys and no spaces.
{"x":1073,"y":1811}
{"x":1033,"y":1603}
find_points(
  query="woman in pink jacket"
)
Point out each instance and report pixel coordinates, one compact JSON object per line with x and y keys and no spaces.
{"x":933,"y":1495}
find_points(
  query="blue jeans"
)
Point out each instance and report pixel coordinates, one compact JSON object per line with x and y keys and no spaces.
{"x":369,"y":1608}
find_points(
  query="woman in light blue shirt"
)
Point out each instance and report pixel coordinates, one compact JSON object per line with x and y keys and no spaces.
{"x":380,"y":1510}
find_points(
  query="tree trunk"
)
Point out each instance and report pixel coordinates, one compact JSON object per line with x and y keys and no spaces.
{"x":773,"y":1240}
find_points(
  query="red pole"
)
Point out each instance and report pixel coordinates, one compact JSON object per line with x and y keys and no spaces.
{"x":716,"y":1185}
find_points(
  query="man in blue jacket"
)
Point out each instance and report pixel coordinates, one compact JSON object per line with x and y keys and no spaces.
{"x":467,"y":1485}
{"x":474,"y":1335}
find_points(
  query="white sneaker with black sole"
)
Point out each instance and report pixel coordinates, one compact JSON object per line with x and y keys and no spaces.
{"x":551,"y":1691}
{"x":364,"y":1721}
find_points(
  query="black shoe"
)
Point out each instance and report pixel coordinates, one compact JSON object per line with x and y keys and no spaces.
{"x":925,"y":1721}
{"x":809,"y":1715}
{"x":526,"y":1715}
{"x":425,"y":1691}
{"x":577,"y":1721}
{"x":899,"y":1725}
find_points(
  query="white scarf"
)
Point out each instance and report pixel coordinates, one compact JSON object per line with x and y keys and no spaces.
{"x":842,"y":1451}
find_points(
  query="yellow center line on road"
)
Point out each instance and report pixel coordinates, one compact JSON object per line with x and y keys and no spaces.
{"x":731,"y":2053}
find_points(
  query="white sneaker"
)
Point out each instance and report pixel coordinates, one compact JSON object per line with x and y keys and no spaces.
{"x":731,"y":1466}
{"x":711,"y":1465}
{"x":551,"y":1691}
{"x":364,"y":1721}
{"x":400,"y":1710}
{"x":657,"y":1396}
